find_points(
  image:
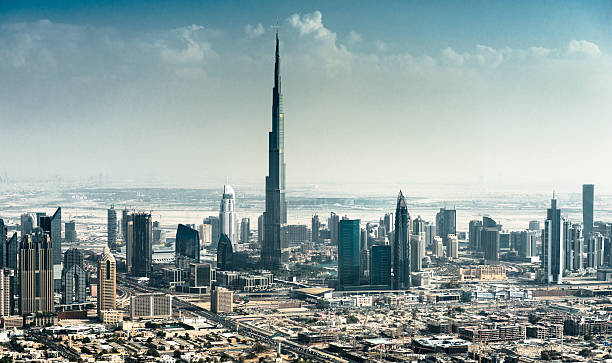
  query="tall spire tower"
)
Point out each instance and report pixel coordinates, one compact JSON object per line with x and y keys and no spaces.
{"x":275,"y":215}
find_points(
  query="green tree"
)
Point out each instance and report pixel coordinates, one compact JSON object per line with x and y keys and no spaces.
{"x":177,"y":354}
{"x":585,"y":352}
{"x":352,"y":320}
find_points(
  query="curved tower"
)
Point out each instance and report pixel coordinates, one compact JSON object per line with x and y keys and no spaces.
{"x":401,"y":245}
{"x":227,"y":215}
{"x":275,"y":215}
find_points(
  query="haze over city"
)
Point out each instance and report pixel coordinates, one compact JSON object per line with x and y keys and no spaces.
{"x":179,"y":92}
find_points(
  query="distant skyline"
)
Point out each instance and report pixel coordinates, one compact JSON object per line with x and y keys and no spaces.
{"x":477,"y":92}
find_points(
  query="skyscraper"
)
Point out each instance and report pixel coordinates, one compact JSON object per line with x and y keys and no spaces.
{"x":27,"y":224}
{"x":380,"y":265}
{"x":446,"y":222}
{"x":401,"y":245}
{"x":74,"y":277}
{"x":388,"y":222}
{"x":552,"y":247}
{"x":107,"y":283}
{"x":3,"y":232}
{"x":227,"y":215}
{"x":6,"y":291}
{"x":475,"y":227}
{"x":417,"y":251}
{"x":70,"y":234}
{"x":56,"y":242}
{"x":213,"y":221}
{"x":187,"y":243}
{"x":576,"y":242}
{"x":245,"y":230}
{"x":315,"y":226}
{"x":225,"y":254}
{"x":125,"y":218}
{"x":588,"y":197}
{"x":348,"y":253}
{"x":36,"y":274}
{"x":333,"y":221}
{"x":489,"y":238}
{"x":275,"y":215}
{"x":142,"y":244}
{"x":111,"y":228}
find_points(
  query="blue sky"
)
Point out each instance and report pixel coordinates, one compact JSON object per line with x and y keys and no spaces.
{"x":474,"y":91}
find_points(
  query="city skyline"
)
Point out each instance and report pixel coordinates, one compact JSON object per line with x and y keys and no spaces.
{"x":439,"y":91}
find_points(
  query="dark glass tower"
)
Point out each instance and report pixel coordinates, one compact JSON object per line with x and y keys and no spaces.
{"x":74,"y":277}
{"x":275,"y":215}
{"x":187,"y":243}
{"x":380,"y":266}
{"x":552,"y":247}
{"x":348,"y":253}
{"x":588,"y":196}
{"x":401,"y":245}
{"x":142,"y":245}
{"x":489,"y":237}
{"x":111,"y":228}
{"x":225,"y":253}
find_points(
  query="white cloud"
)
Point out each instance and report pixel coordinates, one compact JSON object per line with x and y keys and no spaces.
{"x":188,"y":51}
{"x":311,"y":24}
{"x":254,"y":31}
{"x":583,"y":47}
{"x":453,"y":57}
{"x":380,"y":46}
{"x":354,"y":38}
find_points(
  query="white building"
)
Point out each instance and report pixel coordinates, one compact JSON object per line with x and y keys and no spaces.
{"x":227,"y":216}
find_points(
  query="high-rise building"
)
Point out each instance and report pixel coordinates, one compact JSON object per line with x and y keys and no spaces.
{"x":213,"y":221}
{"x":388,"y":222}
{"x":157,"y":305}
{"x":438,"y":247}
{"x":111,"y":228}
{"x":401,"y":245}
{"x":27,"y":224}
{"x":348,"y":253}
{"x":70,"y":234}
{"x":221,"y":300}
{"x":141,"y":238}
{"x":552,"y":245}
{"x":295,"y":233}
{"x":595,"y":250}
{"x":588,"y":198}
{"x":36,"y":274}
{"x":489,"y":238}
{"x":418,"y":225}
{"x":205,"y":232}
{"x":187,"y":243}
{"x":417,"y":252}
{"x":380,"y":265}
{"x":430,"y":233}
{"x":260,"y":229}
{"x":475,"y":228}
{"x":332,"y":222}
{"x":525,"y":242}
{"x":126,"y":217}
{"x":107,"y":282}
{"x":225,"y":254}
{"x":275,"y":215}
{"x":6,"y":291}
{"x":452,"y":246}
{"x":74,"y":278}
{"x":534,"y":226}
{"x":245,"y":230}
{"x":3,"y":233}
{"x":56,"y":242}
{"x":12,"y":251}
{"x":315,"y":226}
{"x":227,"y":215}
{"x":575,"y":239}
{"x":446,"y":222}
{"x":200,"y":275}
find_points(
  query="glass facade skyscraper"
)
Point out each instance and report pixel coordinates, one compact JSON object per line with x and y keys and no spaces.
{"x":348,"y":253}
{"x":401,"y":245}
{"x":380,"y":266}
{"x":275,"y":216}
{"x":588,"y":197}
{"x":187,"y":243}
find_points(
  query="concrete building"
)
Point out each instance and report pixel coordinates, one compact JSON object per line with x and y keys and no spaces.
{"x":70,"y":234}
{"x":150,"y":306}
{"x":245,"y":230}
{"x":36,"y":274}
{"x":222,"y":300}
{"x":107,"y":284}
{"x":111,"y":228}
{"x":227,"y":215}
{"x":6,"y":291}
{"x":452,"y":246}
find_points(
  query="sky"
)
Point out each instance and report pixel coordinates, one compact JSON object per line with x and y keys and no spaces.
{"x":180,"y":92}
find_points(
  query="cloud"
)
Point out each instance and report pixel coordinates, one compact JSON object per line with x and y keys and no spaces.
{"x":584,"y":48}
{"x":354,"y":38}
{"x":311,"y":24}
{"x":188,"y":51}
{"x":454,"y":58}
{"x":254,"y":31}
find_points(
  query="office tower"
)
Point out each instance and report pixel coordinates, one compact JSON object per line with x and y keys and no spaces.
{"x":213,"y":221}
{"x":149,"y":306}
{"x":525,"y":242}
{"x":388,"y":222}
{"x":187,"y":243}
{"x":12,"y":251}
{"x":275,"y":215}
{"x":227,"y":215}
{"x":475,"y":228}
{"x":141,"y":237}
{"x":416,"y":252}
{"x":595,"y":250}
{"x":576,"y":242}
{"x":332,"y":222}
{"x":401,"y":245}
{"x":380,"y":266}
{"x":36,"y":274}
{"x":205,"y":232}
{"x":107,"y":283}
{"x":504,"y":240}
{"x":364,"y":266}
{"x":38,"y":216}
{"x":418,"y":225}
{"x":225,"y":253}
{"x":74,"y":278}
{"x":446,"y":222}
{"x":489,"y":238}
{"x":315,"y":226}
{"x":260,"y":229}
{"x":221,"y":300}
{"x":3,"y":233}
{"x":159,"y":235}
{"x":438,"y":249}
{"x":452,"y":246}
{"x":53,"y":225}
{"x":430,"y":233}
{"x":200,"y":275}
{"x":552,"y":247}
{"x":534,"y":226}
{"x":27,"y":224}
{"x":111,"y":228}
{"x":70,"y":231}
{"x":588,"y":198}
{"x":6,"y":291}
{"x":348,"y":253}
{"x":568,"y":251}
{"x":245,"y":230}
{"x":125,"y":219}
{"x":364,"y":239}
